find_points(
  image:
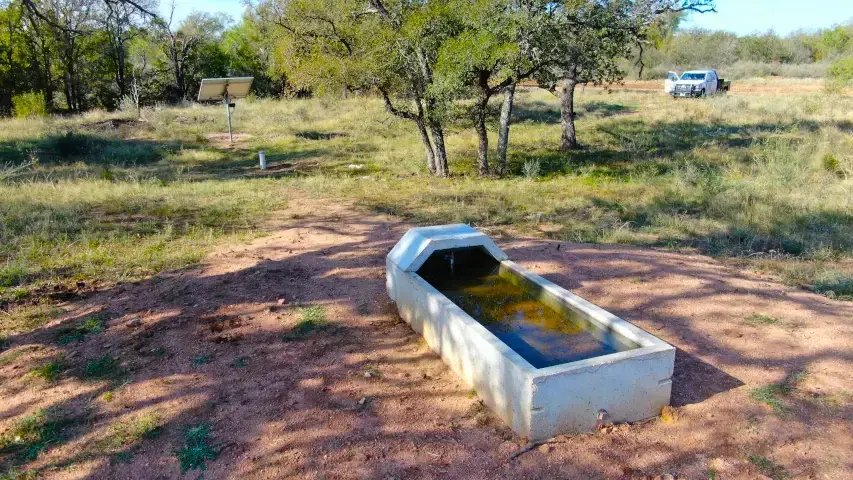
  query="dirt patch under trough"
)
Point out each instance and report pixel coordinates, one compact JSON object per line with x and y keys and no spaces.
{"x":362,"y":397}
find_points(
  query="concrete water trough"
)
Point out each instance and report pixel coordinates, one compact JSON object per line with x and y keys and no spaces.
{"x":543,"y":359}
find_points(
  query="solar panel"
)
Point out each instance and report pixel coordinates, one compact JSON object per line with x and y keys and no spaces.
{"x":214,"y":88}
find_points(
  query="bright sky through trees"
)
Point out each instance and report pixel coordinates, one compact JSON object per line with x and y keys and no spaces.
{"x":739,"y":16}
{"x":783,"y":16}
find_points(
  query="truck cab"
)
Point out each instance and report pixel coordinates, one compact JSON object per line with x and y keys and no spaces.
{"x":698,"y":83}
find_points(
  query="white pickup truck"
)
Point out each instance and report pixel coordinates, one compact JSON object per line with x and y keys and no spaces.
{"x":695,"y":83}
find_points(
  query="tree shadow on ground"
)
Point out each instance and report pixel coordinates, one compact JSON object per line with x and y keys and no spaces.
{"x":303,"y":406}
{"x":636,"y":147}
{"x":541,"y":112}
{"x":84,"y":147}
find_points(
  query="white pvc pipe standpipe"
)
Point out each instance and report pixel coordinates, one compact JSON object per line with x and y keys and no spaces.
{"x":262,"y":156}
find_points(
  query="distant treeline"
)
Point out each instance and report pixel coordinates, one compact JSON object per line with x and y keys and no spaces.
{"x":799,"y":55}
{"x":75,"y":55}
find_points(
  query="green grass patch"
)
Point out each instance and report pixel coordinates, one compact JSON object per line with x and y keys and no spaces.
{"x":49,"y":371}
{"x":757,"y":319}
{"x":25,"y":318}
{"x":91,"y":325}
{"x":15,"y":474}
{"x":34,"y":434}
{"x":128,"y":432}
{"x":836,"y":287}
{"x":103,"y":368}
{"x":198,"y":448}
{"x":8,"y":358}
{"x":769,"y":468}
{"x":311,"y":320}
{"x":774,"y":395}
{"x":200,"y":360}
{"x":240,"y":362}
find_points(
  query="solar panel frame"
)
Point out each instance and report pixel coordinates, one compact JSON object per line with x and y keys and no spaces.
{"x":214,"y":88}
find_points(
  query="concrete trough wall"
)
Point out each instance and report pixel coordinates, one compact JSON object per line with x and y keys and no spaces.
{"x":536,"y":403}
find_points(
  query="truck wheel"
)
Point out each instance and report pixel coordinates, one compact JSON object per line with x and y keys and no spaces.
{"x":702,"y":93}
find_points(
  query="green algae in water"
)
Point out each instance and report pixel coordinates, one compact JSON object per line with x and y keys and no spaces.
{"x":512,"y":308}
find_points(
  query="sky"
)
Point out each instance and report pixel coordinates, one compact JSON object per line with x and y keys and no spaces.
{"x":739,"y":16}
{"x":782,"y":16}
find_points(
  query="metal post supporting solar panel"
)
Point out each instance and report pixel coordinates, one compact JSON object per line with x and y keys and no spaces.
{"x":228,"y":111}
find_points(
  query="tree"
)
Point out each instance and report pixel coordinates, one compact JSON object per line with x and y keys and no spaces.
{"x":191,"y":50}
{"x":248,"y":50}
{"x":589,"y":38}
{"x":386,"y":47}
{"x":491,"y":54}
{"x":121,"y":21}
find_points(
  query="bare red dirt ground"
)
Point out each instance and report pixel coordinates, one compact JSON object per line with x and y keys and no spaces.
{"x":304,"y":408}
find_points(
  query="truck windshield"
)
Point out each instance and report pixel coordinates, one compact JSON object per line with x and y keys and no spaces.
{"x":693,"y":76}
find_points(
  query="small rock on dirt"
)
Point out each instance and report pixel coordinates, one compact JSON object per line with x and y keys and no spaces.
{"x":134,"y":323}
{"x":547,"y":448}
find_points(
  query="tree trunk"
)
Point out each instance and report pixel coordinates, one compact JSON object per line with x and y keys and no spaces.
{"x":441,"y":168}
{"x":430,"y":154}
{"x":568,"y":139}
{"x":483,"y":137}
{"x":503,"y":131}
{"x":121,"y":83}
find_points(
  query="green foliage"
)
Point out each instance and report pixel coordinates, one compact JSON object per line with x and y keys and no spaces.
{"x":774,"y":395}
{"x":102,"y":368}
{"x":128,"y":432}
{"x":198,"y":448}
{"x":15,"y":474}
{"x":831,"y":163}
{"x":757,"y":319}
{"x":12,"y":274}
{"x":802,"y":55}
{"x":240,"y":362}
{"x":531,"y":169}
{"x":840,"y":74}
{"x":91,"y":325}
{"x":200,"y":360}
{"x":34,"y":434}
{"x":312,"y":319}
{"x":30,"y":104}
{"x":769,"y":468}
{"x":835,"y":285}
{"x":48,"y":371}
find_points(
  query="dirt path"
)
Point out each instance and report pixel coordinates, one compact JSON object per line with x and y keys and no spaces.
{"x":366,"y":399}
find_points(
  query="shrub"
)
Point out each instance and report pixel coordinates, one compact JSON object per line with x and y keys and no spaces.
{"x":531,"y":169}
{"x":49,"y":371}
{"x":840,"y":74}
{"x":28,"y":105}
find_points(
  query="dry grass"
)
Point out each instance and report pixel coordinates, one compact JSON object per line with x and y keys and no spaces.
{"x":763,"y":179}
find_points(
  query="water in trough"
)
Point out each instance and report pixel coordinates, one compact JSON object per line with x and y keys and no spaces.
{"x":539,"y":327}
